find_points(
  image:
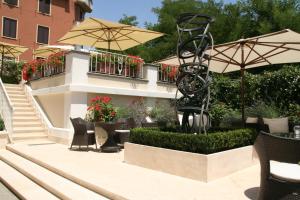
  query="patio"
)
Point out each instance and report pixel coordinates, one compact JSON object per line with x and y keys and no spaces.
{"x":108,"y":174}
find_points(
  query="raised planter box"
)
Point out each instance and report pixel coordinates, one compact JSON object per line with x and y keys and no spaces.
{"x":191,"y":165}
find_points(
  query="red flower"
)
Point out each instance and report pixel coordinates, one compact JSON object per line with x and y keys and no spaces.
{"x":106,"y":99}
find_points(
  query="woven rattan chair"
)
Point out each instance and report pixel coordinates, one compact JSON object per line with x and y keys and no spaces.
{"x":285,"y":153}
{"x":84,"y":133}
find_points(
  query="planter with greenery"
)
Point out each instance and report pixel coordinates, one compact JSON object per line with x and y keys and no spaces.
{"x":1,"y":124}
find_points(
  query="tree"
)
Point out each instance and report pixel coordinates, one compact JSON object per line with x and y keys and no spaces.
{"x":129,"y":20}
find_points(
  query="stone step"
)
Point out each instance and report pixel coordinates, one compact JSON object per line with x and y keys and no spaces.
{"x":27,"y":124}
{"x":17,"y":96}
{"x":7,"y":85}
{"x":22,"y":186}
{"x":29,"y":136}
{"x":24,"y":114}
{"x":58,"y":185}
{"x":15,"y":92}
{"x":19,"y":100}
{"x":25,"y":118}
{"x":21,"y":104}
{"x":23,"y":109}
{"x":28,"y":129}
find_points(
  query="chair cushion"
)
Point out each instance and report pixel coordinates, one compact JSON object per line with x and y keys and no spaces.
{"x":90,"y":132}
{"x":277,"y":125}
{"x":251,"y":120}
{"x":148,"y":119}
{"x":285,"y":171}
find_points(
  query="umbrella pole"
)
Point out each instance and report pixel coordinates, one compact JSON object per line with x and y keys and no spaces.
{"x":243,"y":94}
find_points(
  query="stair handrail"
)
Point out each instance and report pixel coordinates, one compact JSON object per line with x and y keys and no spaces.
{"x":38,"y":110}
{"x":7,"y":111}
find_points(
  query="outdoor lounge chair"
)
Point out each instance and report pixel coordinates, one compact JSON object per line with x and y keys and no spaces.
{"x":280,"y":170}
{"x":84,"y":133}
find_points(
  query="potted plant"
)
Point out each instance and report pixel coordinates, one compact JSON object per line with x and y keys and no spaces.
{"x":102,"y":112}
{"x":134,"y":64}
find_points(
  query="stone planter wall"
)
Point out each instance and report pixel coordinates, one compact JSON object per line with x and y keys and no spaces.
{"x":190,"y":165}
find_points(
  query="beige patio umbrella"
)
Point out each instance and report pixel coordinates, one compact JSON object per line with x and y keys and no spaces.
{"x":47,"y":50}
{"x":10,"y":50}
{"x":269,"y":49}
{"x":108,"y":35}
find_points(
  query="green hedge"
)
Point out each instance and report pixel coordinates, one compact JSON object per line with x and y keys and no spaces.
{"x":204,"y":144}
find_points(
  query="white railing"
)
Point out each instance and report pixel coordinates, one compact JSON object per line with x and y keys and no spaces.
{"x":7,"y":110}
{"x":104,"y":62}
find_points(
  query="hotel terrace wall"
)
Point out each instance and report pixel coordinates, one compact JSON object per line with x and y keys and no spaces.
{"x":68,"y":94}
{"x":60,"y":20}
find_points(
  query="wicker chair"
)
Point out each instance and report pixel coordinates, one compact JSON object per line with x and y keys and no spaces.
{"x":84,"y":133}
{"x":273,"y":148}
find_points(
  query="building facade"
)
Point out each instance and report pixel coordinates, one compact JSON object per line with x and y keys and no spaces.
{"x":32,"y":23}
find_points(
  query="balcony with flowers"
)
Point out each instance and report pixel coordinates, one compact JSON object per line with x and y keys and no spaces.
{"x":113,"y":64}
{"x":167,"y":73}
{"x":44,"y":67}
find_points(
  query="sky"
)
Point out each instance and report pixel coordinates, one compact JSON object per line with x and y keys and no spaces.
{"x":113,"y":10}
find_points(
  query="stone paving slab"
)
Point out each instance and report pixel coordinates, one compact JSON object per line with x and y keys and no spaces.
{"x":109,"y":172}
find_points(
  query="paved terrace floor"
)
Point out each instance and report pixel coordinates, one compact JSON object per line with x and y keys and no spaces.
{"x":109,"y":172}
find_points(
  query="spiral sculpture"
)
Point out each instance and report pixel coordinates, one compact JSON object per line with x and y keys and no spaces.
{"x":194,"y":78}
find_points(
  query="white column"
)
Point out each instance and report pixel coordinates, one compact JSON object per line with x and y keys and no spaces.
{"x":77,"y":67}
{"x":151,"y":76}
{"x":75,"y":106}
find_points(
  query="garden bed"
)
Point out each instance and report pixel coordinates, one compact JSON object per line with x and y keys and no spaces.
{"x":199,"y":157}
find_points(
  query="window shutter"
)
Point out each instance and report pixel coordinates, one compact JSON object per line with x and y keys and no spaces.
{"x":43,"y":35}
{"x":9,"y":27}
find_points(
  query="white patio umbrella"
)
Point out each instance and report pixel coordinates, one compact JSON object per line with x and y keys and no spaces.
{"x":47,"y":50}
{"x":108,"y":35}
{"x":269,"y":49}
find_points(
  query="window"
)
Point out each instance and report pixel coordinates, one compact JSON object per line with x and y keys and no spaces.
{"x":44,"y":6}
{"x":9,"y":27}
{"x":43,"y":35}
{"x":12,"y":2}
{"x":79,"y":14}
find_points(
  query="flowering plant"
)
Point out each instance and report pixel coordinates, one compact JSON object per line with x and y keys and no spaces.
{"x":134,"y":61}
{"x":170,"y":70}
{"x":101,"y":110}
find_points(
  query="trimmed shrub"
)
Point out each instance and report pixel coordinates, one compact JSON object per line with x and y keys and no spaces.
{"x":204,"y":144}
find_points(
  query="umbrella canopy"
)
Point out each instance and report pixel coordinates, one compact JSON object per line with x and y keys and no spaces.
{"x":10,"y":50}
{"x":273,"y":48}
{"x":108,"y":35}
{"x":47,"y":50}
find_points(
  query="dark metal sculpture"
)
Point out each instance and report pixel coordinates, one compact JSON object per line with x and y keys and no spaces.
{"x":193,"y":93}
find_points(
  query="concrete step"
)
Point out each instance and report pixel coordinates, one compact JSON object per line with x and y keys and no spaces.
{"x":25,"y":118}
{"x":28,"y":129}
{"x":21,"y":104}
{"x":17,"y":96}
{"x":24,"y":114}
{"x":13,"y":92}
{"x":23,"y":109}
{"x":22,"y":186}
{"x":58,"y":185}
{"x":16,"y":101}
{"x":27,"y":124}
{"x":7,"y":85}
{"x":29,"y":136}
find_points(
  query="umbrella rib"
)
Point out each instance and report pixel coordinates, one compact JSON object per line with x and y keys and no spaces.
{"x":251,"y":49}
{"x":264,"y":55}
{"x":9,"y":50}
{"x":116,"y":40}
{"x":281,"y":46}
{"x":219,"y":52}
{"x":130,"y":38}
{"x":231,"y":59}
{"x":259,"y":56}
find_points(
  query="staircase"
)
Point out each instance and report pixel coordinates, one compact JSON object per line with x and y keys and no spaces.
{"x":29,"y":180}
{"x":26,"y":124}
